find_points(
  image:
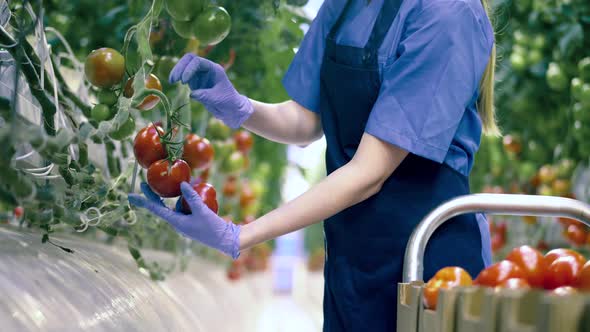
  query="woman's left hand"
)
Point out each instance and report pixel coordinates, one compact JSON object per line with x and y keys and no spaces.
{"x":202,"y":224}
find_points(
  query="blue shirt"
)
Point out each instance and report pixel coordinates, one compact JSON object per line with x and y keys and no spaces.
{"x":431,"y":63}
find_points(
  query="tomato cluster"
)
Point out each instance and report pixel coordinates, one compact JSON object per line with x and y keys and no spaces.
{"x":193,"y":19}
{"x":562,"y":271}
{"x":253,"y":260}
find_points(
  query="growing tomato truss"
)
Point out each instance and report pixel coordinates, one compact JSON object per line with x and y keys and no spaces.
{"x":90,"y":114}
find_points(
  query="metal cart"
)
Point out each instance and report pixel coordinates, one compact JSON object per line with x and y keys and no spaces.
{"x":483,"y":309}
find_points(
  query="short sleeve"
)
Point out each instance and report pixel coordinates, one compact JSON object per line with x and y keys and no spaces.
{"x":441,"y":58}
{"x":302,"y":80}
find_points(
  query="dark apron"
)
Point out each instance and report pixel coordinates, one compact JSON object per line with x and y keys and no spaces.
{"x":365,"y":244}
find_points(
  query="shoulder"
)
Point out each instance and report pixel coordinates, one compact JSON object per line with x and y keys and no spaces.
{"x":452,"y":15}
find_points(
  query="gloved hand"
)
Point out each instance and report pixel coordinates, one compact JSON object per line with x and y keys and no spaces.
{"x":210,"y":85}
{"x":202,"y":225}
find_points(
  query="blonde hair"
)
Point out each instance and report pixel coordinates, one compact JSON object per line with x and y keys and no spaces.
{"x":485,"y":106}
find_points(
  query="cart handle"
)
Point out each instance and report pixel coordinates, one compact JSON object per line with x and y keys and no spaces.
{"x":506,"y":204}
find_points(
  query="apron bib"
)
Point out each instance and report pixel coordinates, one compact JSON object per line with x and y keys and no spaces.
{"x":365,"y":244}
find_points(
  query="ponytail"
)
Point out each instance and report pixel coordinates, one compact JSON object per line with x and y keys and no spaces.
{"x":485,"y":105}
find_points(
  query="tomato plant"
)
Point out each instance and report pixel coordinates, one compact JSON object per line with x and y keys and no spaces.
{"x":165,"y":180}
{"x":207,"y":193}
{"x":498,"y":273}
{"x":531,"y":261}
{"x":104,"y":67}
{"x":147,"y":146}
{"x":244,"y":141}
{"x":446,"y":278}
{"x":198,"y":152}
{"x":149,"y":102}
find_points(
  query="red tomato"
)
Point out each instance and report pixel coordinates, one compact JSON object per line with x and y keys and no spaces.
{"x":502,"y":229}
{"x":446,"y":278}
{"x":234,"y":273}
{"x":149,"y":102}
{"x":542,"y":245}
{"x":18,"y":212}
{"x":147,"y":146}
{"x":576,"y":234}
{"x":230,"y":187}
{"x":515,"y":283}
{"x":498,"y":242}
{"x":564,"y":271}
{"x":557,"y":253}
{"x":531,"y":261}
{"x":498,"y":273}
{"x":207,"y":193}
{"x":247,"y":196}
{"x":166,"y":182}
{"x":244,"y":141}
{"x":564,"y":290}
{"x":583,"y":281}
{"x":198,"y":152}
{"x":512,"y":144}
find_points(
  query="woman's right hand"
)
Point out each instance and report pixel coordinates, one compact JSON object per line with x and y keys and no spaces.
{"x":210,"y":85}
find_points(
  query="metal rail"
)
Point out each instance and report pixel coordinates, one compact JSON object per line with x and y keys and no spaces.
{"x":505,"y":204}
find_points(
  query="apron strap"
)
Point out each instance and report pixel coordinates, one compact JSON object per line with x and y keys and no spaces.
{"x":384,"y":21}
{"x":336,"y":26}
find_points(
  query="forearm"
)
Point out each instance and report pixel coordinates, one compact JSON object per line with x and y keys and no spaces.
{"x":287,"y":123}
{"x":343,"y":188}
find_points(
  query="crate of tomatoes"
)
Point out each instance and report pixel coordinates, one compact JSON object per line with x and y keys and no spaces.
{"x":526,"y":291}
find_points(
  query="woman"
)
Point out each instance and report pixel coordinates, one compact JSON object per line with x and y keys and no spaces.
{"x":395,"y":87}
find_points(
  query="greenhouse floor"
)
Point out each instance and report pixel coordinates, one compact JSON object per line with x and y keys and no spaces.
{"x":99,"y":288}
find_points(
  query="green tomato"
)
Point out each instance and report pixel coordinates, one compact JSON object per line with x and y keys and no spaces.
{"x":526,"y":171}
{"x":164,"y":67}
{"x":183,"y":28}
{"x":535,"y":56}
{"x":217,"y":130}
{"x":539,"y":42}
{"x":212,"y":26}
{"x":581,"y":112}
{"x":223,"y":149}
{"x":233,"y":163}
{"x":184,"y":10}
{"x":585,"y":94}
{"x":125,"y":130}
{"x":107,"y":97}
{"x":584,"y":68}
{"x":518,"y":61}
{"x":556,"y":78}
{"x":100,"y":112}
{"x":521,"y":38}
{"x":565,"y":168}
{"x":576,"y":87}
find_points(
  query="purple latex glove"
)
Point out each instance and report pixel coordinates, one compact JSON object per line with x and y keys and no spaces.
{"x":210,"y":85}
{"x":202,"y":224}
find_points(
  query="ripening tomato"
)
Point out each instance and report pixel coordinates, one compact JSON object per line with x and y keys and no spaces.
{"x":446,"y":278}
{"x":564,"y":271}
{"x":512,"y":144}
{"x":147,"y":146}
{"x":515,"y":283}
{"x":208,"y":195}
{"x":149,"y":102}
{"x":244,"y":141}
{"x":583,"y":281}
{"x":166,"y":182}
{"x":576,"y":234}
{"x":554,"y":254}
{"x":529,"y":220}
{"x":18,"y":212}
{"x":497,"y":273}
{"x":564,"y":290}
{"x":531,"y":261}
{"x":104,"y":67}
{"x":547,"y":174}
{"x":230,"y":187}
{"x":247,"y":196}
{"x":198,"y":152}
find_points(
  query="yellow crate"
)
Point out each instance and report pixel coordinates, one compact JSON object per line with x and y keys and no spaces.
{"x":409,"y":302}
{"x":476,"y":310}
